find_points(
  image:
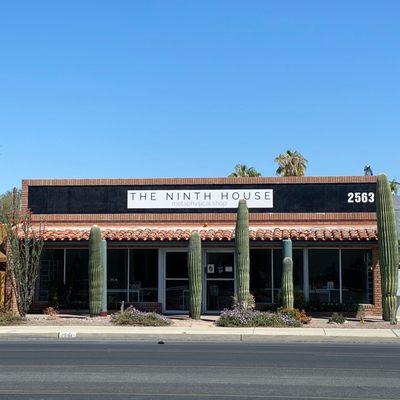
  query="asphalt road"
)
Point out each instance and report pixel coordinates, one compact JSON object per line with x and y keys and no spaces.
{"x":237,"y":370}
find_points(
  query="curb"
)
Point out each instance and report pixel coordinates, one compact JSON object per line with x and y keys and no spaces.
{"x":189,"y":334}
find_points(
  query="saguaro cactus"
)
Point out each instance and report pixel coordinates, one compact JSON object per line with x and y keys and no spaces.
{"x":96,"y":278}
{"x":388,"y":248}
{"x":242,"y":250}
{"x":194,"y":271}
{"x":287,"y":275}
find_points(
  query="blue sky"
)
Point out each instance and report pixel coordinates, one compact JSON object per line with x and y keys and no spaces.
{"x":186,"y":88}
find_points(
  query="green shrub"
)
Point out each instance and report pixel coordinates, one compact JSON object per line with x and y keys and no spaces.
{"x":337,"y":319}
{"x":132,"y":316}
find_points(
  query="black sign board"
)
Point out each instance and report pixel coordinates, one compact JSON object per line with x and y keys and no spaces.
{"x":304,"y":198}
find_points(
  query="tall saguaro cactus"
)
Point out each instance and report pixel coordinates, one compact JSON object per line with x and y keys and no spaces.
{"x":287,"y":275}
{"x":388,"y":248}
{"x":242,"y":250}
{"x":194,"y":271}
{"x":96,"y":277}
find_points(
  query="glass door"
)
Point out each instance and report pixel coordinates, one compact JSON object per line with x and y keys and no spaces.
{"x":219,"y":279}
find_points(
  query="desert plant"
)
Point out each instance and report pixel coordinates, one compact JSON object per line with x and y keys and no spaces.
{"x":248,"y":304}
{"x":299,"y":300}
{"x":24,"y":244}
{"x":388,"y":248}
{"x":194,"y":272}
{"x":295,"y":313}
{"x":336,"y":318}
{"x":239,"y":317}
{"x":242,"y":250}
{"x":8,"y":318}
{"x":132,"y":316}
{"x":51,"y":312}
{"x":287,"y":275}
{"x":96,"y":265}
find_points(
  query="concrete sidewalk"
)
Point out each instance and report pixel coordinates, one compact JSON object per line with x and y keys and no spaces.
{"x":184,"y":333}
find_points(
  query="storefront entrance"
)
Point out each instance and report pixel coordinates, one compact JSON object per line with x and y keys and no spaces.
{"x":219,"y":280}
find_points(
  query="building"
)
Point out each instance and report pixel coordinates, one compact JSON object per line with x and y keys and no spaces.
{"x":147,"y":223}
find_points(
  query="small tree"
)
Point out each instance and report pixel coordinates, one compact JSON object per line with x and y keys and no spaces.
{"x":24,"y":246}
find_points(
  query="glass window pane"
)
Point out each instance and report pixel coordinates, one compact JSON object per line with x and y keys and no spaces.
{"x":176,"y":295}
{"x":51,"y":276}
{"x":77,"y":278}
{"x":297,"y":270}
{"x":143,"y":279}
{"x":355,"y":282}
{"x":219,"y":295}
{"x":222,"y":265}
{"x":176,"y":265}
{"x":324,"y":275}
{"x":260,"y":275}
{"x":117,"y":269}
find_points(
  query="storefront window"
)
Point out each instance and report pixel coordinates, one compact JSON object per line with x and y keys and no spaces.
{"x":297,"y":271}
{"x":77,"y":278}
{"x":324,"y":275}
{"x":260,"y":275}
{"x":176,"y":281}
{"x":355,"y":283}
{"x":117,"y":277}
{"x":51,"y":277}
{"x":132,"y":276}
{"x":143,"y":276}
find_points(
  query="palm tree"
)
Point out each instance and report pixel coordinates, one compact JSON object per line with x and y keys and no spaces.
{"x":242,"y":170}
{"x":291,"y":163}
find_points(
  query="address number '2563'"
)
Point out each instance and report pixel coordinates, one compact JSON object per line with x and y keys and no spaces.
{"x":360,"y":197}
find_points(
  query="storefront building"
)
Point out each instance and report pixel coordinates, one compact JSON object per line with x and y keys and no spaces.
{"x":147,"y":224}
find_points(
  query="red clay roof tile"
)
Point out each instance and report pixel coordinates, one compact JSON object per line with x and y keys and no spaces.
{"x":210,"y":234}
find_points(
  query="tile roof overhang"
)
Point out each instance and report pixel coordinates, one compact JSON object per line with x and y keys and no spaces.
{"x":134,"y":233}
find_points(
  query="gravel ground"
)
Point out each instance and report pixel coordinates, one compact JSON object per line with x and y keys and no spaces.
{"x":184,"y":321}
